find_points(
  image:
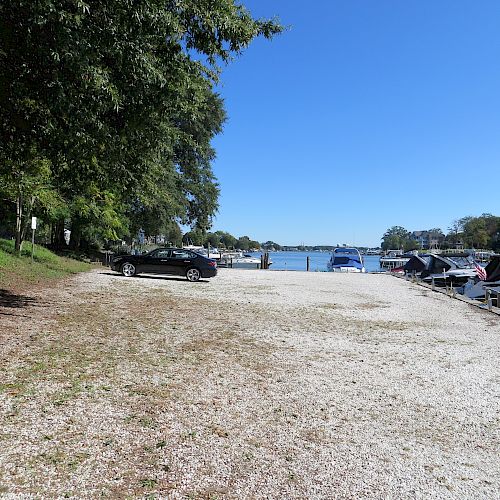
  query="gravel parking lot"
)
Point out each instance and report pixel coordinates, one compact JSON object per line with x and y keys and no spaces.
{"x":255,"y":384}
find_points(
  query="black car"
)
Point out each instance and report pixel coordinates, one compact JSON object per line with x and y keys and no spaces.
{"x":176,"y":261}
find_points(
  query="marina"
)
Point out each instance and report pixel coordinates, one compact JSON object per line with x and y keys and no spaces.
{"x":297,"y":261}
{"x":235,"y":270}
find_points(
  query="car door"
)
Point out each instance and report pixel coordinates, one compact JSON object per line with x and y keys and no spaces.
{"x":159,"y":262}
{"x":181,"y":260}
{"x":145,"y":262}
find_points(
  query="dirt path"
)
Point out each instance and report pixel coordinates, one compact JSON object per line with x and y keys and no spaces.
{"x":253,"y":385}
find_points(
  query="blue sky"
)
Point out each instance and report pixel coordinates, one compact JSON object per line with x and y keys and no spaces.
{"x":363,"y":115}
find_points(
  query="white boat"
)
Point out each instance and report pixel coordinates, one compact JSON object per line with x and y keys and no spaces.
{"x":393,"y":259}
{"x":476,"y":288}
{"x":246,"y":262}
{"x":211,"y":253}
{"x":482,"y":256}
{"x":346,"y":260}
{"x":239,"y":260}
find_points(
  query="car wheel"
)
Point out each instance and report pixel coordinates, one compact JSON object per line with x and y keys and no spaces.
{"x":128,"y":269}
{"x":193,"y":274}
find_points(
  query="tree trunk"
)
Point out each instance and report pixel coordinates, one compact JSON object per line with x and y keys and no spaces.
{"x":58,"y":234}
{"x":76,"y":234}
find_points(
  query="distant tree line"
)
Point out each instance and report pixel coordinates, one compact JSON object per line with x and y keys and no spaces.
{"x":220,"y":239}
{"x":107,"y":113}
{"x":468,"y":232}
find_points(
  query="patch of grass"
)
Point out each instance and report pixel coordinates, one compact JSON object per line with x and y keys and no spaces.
{"x":46,"y":265}
{"x":148,"y":483}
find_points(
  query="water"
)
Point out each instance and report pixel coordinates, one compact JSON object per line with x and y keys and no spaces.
{"x":296,"y":261}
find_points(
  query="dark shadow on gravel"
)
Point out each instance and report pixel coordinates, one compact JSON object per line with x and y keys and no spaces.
{"x":154,"y":277}
{"x":14,"y":301}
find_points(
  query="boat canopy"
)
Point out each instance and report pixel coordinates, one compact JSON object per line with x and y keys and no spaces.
{"x":416,"y":264}
{"x":346,"y":251}
{"x":447,"y":262}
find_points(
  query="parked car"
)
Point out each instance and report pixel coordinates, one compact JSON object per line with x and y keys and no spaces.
{"x":174,"y":261}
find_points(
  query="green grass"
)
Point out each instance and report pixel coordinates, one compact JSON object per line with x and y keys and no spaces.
{"x":46,"y":265}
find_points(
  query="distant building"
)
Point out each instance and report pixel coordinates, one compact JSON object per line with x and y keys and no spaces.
{"x":428,"y":239}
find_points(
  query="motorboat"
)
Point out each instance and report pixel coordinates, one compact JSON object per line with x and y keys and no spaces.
{"x":239,"y":260}
{"x":394,"y":259}
{"x":449,"y":269}
{"x":416,"y":264}
{"x":347,"y":260}
{"x":211,"y":252}
{"x":246,"y":261}
{"x":482,"y":256}
{"x":475,"y":288}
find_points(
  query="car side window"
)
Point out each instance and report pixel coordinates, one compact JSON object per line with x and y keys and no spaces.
{"x":181,"y":254}
{"x":161,"y":254}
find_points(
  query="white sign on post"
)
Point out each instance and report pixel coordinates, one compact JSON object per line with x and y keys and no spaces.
{"x":33,"y":227}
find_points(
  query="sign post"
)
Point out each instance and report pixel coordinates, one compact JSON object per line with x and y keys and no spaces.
{"x":33,"y":227}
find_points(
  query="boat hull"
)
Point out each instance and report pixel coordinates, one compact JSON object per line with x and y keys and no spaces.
{"x":346,"y":260}
{"x":346,"y":269}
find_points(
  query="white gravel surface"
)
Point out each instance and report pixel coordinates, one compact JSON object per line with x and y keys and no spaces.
{"x":255,"y":384}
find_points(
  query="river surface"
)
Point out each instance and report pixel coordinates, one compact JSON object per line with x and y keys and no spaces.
{"x":296,"y":261}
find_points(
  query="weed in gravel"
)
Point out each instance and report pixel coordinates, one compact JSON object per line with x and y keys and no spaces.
{"x":147,"y":422}
{"x":148,"y":483}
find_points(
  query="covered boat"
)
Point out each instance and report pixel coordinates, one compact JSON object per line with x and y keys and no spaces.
{"x":450,"y":269}
{"x":347,"y":260}
{"x":416,"y":264}
{"x":475,"y":288}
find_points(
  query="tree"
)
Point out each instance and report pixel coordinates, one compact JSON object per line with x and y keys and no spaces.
{"x":27,"y":185}
{"x":396,"y":237}
{"x":482,"y":231}
{"x":213,"y":239}
{"x":268,"y":245}
{"x":194,"y":237}
{"x":227,"y":240}
{"x":455,"y":232}
{"x":119,"y":98}
{"x":243,"y":243}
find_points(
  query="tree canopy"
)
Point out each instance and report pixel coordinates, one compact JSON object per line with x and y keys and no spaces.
{"x":469,"y":232}
{"x":108,"y":109}
{"x":397,"y":237}
{"x":477,"y":232}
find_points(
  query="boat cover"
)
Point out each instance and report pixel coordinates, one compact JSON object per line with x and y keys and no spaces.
{"x":416,"y":264}
{"x":435,"y":265}
{"x":493,"y":269}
